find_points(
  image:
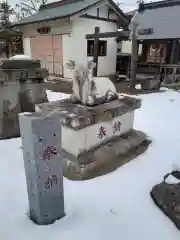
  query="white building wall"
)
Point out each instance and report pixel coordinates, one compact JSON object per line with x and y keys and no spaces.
{"x":67,"y":44}
{"x":74,"y":43}
{"x":83,"y":26}
{"x":78,"y":49}
{"x":103,"y":12}
{"x":126,"y":47}
{"x":59,"y":26}
{"x":27,"y":46}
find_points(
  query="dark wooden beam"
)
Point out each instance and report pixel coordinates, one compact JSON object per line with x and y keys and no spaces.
{"x":151,"y":41}
{"x":145,"y":48}
{"x":134,"y":55}
{"x":95,"y":55}
{"x":177,"y":52}
{"x":98,"y":18}
{"x":168,"y":52}
{"x":173,"y":52}
{"x":123,"y":35}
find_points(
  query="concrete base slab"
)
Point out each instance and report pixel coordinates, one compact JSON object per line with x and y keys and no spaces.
{"x":107,"y":157}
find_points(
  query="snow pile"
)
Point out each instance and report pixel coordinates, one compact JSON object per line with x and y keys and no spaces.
{"x":53,"y":96}
{"x":172,"y":180}
{"x":114,"y":206}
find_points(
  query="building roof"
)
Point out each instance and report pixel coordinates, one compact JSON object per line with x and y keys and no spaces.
{"x":131,"y":13}
{"x":162,"y":18}
{"x":6,"y":33}
{"x":67,"y":8}
{"x":159,"y":4}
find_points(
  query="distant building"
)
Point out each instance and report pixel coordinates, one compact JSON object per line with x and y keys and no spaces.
{"x":159,"y":31}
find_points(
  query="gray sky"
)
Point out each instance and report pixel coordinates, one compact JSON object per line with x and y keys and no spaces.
{"x":125,"y":5}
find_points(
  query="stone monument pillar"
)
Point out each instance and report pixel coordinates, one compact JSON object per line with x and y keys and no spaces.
{"x":41,"y":142}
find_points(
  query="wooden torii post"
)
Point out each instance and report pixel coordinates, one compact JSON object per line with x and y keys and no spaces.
{"x":134,"y":50}
{"x":134,"y":54}
{"x":95,"y":54}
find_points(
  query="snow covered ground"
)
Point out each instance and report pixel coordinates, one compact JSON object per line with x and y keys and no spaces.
{"x":115,"y":206}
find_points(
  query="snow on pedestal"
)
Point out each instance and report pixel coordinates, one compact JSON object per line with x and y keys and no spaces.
{"x":20,"y":57}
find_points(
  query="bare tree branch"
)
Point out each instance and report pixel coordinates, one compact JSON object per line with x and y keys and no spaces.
{"x":27,"y":7}
{"x":33,"y":4}
{"x":44,"y":2}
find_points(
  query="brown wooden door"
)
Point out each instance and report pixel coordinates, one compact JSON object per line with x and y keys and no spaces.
{"x":48,"y":49}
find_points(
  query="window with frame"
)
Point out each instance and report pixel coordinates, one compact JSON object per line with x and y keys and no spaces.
{"x":102,"y":48}
{"x":43,"y":30}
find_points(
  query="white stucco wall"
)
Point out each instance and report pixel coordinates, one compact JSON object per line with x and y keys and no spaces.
{"x":126,"y":47}
{"x":59,"y":26}
{"x":78,"y":49}
{"x":67,"y":43}
{"x":27,"y":46}
{"x":81,"y":27}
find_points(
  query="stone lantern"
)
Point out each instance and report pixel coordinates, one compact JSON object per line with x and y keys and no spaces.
{"x":21,"y":87}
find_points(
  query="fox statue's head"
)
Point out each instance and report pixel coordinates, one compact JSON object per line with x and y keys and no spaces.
{"x":82,"y":73}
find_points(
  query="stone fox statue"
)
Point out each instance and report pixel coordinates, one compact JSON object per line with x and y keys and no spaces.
{"x":90,"y":90}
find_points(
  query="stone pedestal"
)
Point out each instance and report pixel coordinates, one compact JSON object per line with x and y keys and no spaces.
{"x":106,"y":158}
{"x":85,"y":128}
{"x":148,"y":82}
{"x":21,"y":87}
{"x":9,"y":108}
{"x":41,"y":143}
